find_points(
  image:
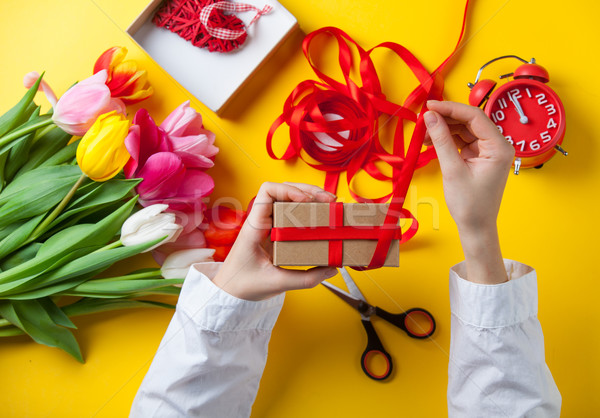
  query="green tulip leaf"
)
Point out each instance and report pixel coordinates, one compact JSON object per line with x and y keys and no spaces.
{"x":50,"y":149}
{"x":64,"y":244}
{"x":15,"y":116}
{"x":18,"y":134}
{"x":56,"y":314}
{"x":107,"y":192}
{"x":46,"y":188}
{"x":14,"y":241}
{"x":32,"y":318}
{"x":19,"y":257}
{"x":19,"y":154}
{"x":73,"y":273}
{"x":111,"y":289}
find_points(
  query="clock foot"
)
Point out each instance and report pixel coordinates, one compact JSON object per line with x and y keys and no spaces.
{"x":562,"y":151}
{"x":539,"y":166}
{"x":517,"y":165}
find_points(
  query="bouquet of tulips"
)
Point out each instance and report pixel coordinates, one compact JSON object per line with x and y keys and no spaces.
{"x":82,"y":187}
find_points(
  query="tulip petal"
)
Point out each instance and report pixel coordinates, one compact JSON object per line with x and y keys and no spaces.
{"x":196,"y":184}
{"x":133,"y":223}
{"x":185,"y":258}
{"x":109,"y":57}
{"x":163,"y":173}
{"x":30,"y":79}
{"x":147,"y":139}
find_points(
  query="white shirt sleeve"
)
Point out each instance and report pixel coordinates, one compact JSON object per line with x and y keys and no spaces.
{"x":212,"y":356}
{"x":497,"y":365}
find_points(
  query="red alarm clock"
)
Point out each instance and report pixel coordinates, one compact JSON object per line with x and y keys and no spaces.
{"x":527,"y":112}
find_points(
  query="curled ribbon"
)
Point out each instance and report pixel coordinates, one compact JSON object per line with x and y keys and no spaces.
{"x":334,"y":126}
{"x":227,"y":6}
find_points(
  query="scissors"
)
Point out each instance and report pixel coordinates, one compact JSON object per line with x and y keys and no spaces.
{"x":406,"y":321}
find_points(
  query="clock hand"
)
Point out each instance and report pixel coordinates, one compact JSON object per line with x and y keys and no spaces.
{"x":522,"y":118}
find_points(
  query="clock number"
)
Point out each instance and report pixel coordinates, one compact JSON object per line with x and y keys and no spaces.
{"x":497,"y":116}
{"x":535,"y":145}
{"x":515,"y":93}
{"x":509,"y":139}
{"x":502,"y":103}
{"x":551,"y":124}
{"x":522,"y":145}
{"x":545,"y":136}
{"x":551,"y":110}
{"x":500,"y":128}
{"x":528,"y":92}
{"x":541,"y":98}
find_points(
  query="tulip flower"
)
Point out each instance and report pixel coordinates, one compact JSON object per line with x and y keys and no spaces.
{"x":188,"y":138}
{"x":149,"y":224}
{"x":177,"y":264}
{"x":224,"y":225}
{"x":167,"y":177}
{"x":124,"y":80}
{"x":79,"y":107}
{"x":101,"y":153}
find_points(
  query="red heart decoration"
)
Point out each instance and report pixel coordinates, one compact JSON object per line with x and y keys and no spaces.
{"x":183,"y":18}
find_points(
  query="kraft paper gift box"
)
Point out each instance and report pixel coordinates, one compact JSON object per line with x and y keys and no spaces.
{"x":307,"y":217}
{"x":214,"y":78}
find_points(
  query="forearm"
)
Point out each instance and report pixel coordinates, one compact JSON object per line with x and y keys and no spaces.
{"x":212,"y":356}
{"x":497,"y":364}
{"x":483,"y":257}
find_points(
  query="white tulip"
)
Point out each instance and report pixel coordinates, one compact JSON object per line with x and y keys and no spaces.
{"x":177,"y":264}
{"x":150,"y":224}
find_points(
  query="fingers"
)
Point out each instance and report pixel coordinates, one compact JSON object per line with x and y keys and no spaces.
{"x":298,"y":279}
{"x":259,"y":219}
{"x":319,"y":194}
{"x":480,"y":125}
{"x":443,"y":142}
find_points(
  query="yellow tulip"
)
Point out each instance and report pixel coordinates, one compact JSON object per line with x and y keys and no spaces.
{"x":101,"y":153}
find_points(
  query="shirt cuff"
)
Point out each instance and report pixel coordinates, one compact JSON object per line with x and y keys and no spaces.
{"x":498,"y":305}
{"x":213,"y":309}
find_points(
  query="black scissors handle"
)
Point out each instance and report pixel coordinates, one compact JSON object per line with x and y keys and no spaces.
{"x":410,"y":321}
{"x":374,"y":348}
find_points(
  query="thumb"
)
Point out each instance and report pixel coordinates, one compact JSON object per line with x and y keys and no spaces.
{"x":298,"y":279}
{"x":443,"y":142}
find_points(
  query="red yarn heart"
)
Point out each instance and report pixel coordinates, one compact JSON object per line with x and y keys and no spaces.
{"x":183,"y":18}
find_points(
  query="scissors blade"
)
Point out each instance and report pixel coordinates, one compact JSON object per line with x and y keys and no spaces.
{"x":352,"y":287}
{"x":345,"y":296}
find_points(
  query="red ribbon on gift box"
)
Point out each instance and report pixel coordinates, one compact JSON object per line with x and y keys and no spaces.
{"x":337,"y":232}
{"x":348,"y":114}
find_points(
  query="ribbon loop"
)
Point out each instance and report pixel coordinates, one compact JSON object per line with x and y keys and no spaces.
{"x":227,"y":6}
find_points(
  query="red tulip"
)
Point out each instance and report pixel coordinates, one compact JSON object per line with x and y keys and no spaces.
{"x":223,"y":227}
{"x":125,"y":81}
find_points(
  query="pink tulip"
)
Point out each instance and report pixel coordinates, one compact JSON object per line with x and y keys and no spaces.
{"x":30,"y":79}
{"x":79,"y":107}
{"x":167,"y":176}
{"x":188,"y":138}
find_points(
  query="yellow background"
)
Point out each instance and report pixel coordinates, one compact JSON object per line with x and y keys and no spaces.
{"x":549,"y":217}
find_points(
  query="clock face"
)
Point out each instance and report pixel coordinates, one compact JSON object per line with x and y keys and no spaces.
{"x":530,"y":116}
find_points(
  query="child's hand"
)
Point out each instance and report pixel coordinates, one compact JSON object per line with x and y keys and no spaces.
{"x":474,"y":181}
{"x":248,"y":272}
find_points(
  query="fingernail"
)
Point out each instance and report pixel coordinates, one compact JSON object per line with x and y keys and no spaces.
{"x":430,"y":119}
{"x":430,"y":102}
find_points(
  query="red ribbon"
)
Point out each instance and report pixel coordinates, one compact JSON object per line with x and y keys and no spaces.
{"x":334,"y":126}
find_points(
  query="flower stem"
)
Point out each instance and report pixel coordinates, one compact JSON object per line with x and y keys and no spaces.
{"x":11,"y":136}
{"x":110,"y":246}
{"x":57,"y":210}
